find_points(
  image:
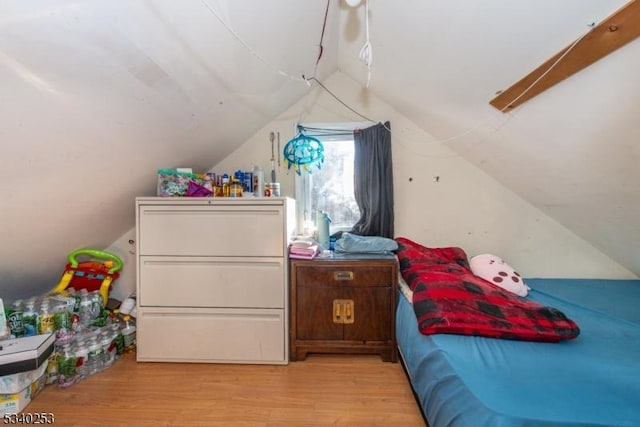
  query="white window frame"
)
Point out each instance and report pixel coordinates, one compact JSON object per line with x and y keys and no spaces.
{"x":302,"y":184}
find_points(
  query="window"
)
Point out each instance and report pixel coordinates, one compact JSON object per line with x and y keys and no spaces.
{"x":330,"y":188}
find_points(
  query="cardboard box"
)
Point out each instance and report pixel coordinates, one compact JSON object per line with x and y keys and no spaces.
{"x":18,"y":390}
{"x":25,"y":354}
{"x":16,"y":402}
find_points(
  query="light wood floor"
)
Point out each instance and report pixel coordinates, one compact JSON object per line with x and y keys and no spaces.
{"x":341,"y":390}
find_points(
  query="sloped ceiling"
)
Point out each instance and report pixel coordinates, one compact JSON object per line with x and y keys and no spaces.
{"x":95,"y":94}
{"x":573,"y":151}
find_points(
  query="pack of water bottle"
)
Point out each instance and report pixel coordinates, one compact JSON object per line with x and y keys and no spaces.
{"x":61,"y":314}
{"x":86,"y":354}
{"x":89,"y":338}
{"x":92,"y":350}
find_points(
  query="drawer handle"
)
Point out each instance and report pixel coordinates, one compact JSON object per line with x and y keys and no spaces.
{"x":343,"y":311}
{"x":343,"y":275}
{"x":337,"y":311}
{"x":348,"y":312}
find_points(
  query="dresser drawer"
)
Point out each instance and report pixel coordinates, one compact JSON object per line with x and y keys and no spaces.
{"x":211,"y":335}
{"x":200,"y":230}
{"x":211,"y":282}
{"x":344,"y":275}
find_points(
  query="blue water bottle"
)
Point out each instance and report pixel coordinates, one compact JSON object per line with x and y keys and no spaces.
{"x":322,"y":225}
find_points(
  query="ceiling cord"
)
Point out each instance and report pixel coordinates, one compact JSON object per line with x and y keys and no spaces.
{"x":324,"y":24}
{"x":338,"y":99}
{"x":366,"y":55}
{"x":246,"y":46}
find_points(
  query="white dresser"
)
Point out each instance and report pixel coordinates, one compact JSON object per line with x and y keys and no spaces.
{"x":212,"y":279}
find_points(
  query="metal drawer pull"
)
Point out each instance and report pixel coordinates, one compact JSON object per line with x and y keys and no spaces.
{"x":343,"y":275}
{"x":348,"y":312}
{"x":337,"y":311}
{"x":343,"y":311}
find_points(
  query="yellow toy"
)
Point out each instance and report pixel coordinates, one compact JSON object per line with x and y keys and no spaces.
{"x":90,"y":275}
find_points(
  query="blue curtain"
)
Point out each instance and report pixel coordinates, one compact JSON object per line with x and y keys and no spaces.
{"x":373,"y":181}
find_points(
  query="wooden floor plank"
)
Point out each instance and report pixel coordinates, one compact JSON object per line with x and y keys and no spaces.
{"x":342,"y":390}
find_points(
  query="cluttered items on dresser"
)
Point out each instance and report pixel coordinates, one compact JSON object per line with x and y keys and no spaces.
{"x":183,"y":182}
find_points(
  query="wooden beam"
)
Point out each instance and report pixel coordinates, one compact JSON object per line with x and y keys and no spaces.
{"x":617,"y":30}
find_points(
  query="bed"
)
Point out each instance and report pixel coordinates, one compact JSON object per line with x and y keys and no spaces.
{"x":592,"y":379}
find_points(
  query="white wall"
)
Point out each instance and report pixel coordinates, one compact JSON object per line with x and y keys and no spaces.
{"x":440,"y":198}
{"x":125,"y":248}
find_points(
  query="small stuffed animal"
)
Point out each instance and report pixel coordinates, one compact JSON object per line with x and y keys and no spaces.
{"x":493,"y":269}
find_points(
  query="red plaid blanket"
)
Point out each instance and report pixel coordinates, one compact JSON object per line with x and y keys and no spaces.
{"x":449,"y":298}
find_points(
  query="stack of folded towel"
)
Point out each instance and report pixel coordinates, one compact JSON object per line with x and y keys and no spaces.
{"x":304,"y":249}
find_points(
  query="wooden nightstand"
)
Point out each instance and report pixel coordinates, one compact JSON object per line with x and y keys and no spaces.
{"x":343,"y":305}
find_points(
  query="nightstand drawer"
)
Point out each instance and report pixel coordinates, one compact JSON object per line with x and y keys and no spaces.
{"x":344,"y":275}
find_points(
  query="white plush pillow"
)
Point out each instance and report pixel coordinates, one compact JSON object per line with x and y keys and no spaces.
{"x":493,"y":269}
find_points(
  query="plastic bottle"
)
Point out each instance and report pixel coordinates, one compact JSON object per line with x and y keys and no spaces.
{"x":208,"y":183}
{"x":323,"y":221}
{"x":258,"y":181}
{"x":45,"y":319}
{"x":247,"y":182}
{"x":225,"y":185}
{"x":15,"y":319}
{"x":239,"y":176}
{"x":235,"y":188}
{"x":82,"y":353}
{"x":67,"y":361}
{"x":97,"y":304}
{"x":117,"y":338}
{"x":85,"y":312}
{"x":51,"y":375}
{"x":30,"y":317}
{"x":109,"y":348}
{"x":129,"y":334}
{"x":71,"y":292}
{"x":95,"y":357}
{"x":62,"y":323}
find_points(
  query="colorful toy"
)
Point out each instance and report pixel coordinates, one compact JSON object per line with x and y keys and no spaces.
{"x":90,"y":275}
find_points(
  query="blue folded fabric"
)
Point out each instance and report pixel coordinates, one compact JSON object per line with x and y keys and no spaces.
{"x":353,"y":243}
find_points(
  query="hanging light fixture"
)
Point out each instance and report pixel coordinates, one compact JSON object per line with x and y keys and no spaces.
{"x":366,"y":53}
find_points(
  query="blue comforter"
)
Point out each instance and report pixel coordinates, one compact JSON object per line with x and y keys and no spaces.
{"x":593,"y":380}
